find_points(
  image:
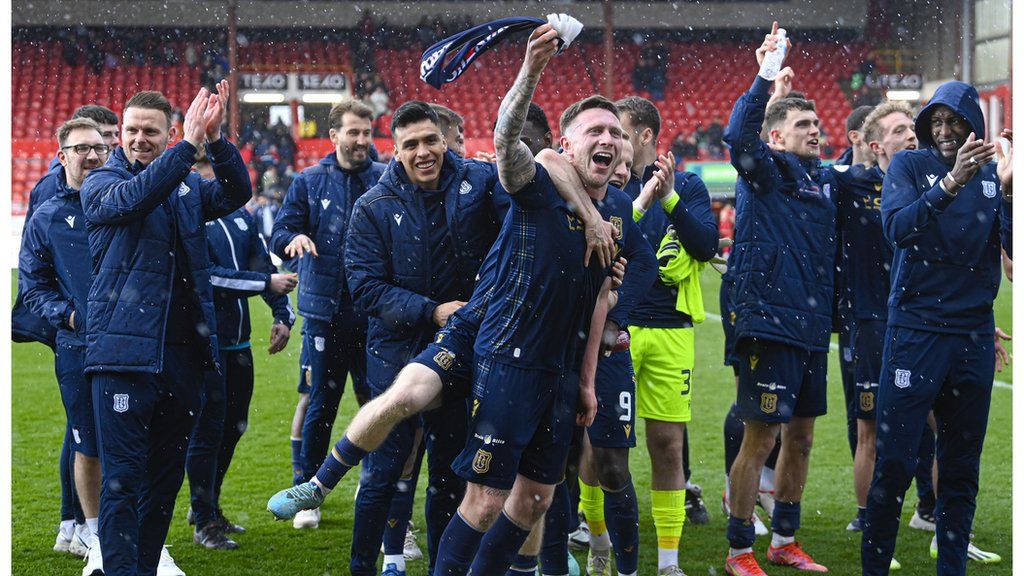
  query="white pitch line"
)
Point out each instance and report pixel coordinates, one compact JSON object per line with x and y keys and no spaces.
{"x":834,"y":346}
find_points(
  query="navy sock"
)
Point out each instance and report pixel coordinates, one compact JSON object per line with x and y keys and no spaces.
{"x":334,"y":468}
{"x":554,"y":552}
{"x":740,"y":532}
{"x":398,"y":516}
{"x":733,"y":432}
{"x":459,"y":544}
{"x":498,"y":547}
{"x":623,"y":519}
{"x":786,"y":518}
{"x":297,"y":457}
{"x":523,"y":565}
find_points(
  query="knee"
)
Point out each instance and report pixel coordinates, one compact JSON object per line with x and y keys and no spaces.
{"x":613,"y":474}
{"x":529,"y":508}
{"x":481,"y":507}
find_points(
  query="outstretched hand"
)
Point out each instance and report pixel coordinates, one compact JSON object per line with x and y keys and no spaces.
{"x":540,"y":49}
{"x":770,"y":44}
{"x":214,"y":116}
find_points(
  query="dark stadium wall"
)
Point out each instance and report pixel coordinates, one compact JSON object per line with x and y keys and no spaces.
{"x":660,"y":15}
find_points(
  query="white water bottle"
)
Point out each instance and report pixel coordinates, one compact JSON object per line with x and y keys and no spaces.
{"x":772,"y":62}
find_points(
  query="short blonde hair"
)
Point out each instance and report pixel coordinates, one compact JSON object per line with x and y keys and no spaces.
{"x":872,"y":127}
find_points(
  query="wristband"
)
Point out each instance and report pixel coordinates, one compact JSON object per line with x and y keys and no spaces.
{"x":638,"y":211}
{"x":669,"y":202}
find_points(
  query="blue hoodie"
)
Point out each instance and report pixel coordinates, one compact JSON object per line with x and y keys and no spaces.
{"x":946,"y":267}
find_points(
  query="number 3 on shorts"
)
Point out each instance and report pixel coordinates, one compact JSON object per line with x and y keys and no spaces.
{"x":686,"y":383}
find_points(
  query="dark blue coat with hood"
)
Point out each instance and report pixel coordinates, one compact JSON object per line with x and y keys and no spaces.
{"x":53,"y":265}
{"x":139,"y":217}
{"x":319,"y":205}
{"x":782,"y":264}
{"x":388,"y":255}
{"x":946,"y":267}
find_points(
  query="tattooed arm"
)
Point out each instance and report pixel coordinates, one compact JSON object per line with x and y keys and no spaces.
{"x":515,"y":162}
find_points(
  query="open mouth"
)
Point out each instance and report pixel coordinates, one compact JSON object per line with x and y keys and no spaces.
{"x":602,"y":159}
{"x":426,"y":165}
{"x":813,"y":142}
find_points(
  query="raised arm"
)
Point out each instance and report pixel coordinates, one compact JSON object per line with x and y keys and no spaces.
{"x":232,"y":187}
{"x":514,"y":159}
{"x":569,"y":186}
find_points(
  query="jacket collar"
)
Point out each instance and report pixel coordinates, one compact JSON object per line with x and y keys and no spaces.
{"x":119,"y":160}
{"x":395,"y":179}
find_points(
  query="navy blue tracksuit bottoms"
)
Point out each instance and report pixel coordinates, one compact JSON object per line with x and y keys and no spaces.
{"x":143,"y":423}
{"x":922,"y":371}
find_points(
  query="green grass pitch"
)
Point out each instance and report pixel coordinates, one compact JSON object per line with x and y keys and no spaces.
{"x":262,"y":466}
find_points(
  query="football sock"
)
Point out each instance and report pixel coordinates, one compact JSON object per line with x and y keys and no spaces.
{"x":498,"y":547}
{"x":554,"y":553}
{"x":523,"y":565}
{"x":592,"y":506}
{"x":342,"y":458}
{"x":624,"y":526}
{"x":297,"y":460}
{"x":398,"y":517}
{"x":740,"y":533}
{"x":786,"y":518}
{"x":668,"y":507}
{"x":458,"y":545}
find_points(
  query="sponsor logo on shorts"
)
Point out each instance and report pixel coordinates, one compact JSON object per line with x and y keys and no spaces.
{"x":988,"y":189}
{"x":319,"y":343}
{"x":627,"y":428}
{"x":753,"y":361}
{"x":769,"y":402}
{"x":482,"y":462}
{"x":902,"y":378}
{"x":392,"y":522}
{"x":771,"y":386}
{"x":867,"y":401}
{"x":444,"y":359}
{"x":489,"y":440}
{"x":120,"y":402}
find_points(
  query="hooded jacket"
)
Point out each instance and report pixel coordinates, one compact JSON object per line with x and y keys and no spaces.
{"x":946,"y":267}
{"x":53,"y":265}
{"x":388,"y":255}
{"x":139,"y":219}
{"x":241,"y":268}
{"x":782,"y":264}
{"x":319,"y":204}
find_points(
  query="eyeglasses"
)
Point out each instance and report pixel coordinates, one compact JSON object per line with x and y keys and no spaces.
{"x":83,"y":149}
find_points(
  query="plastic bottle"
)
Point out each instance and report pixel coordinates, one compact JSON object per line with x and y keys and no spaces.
{"x":772,"y":62}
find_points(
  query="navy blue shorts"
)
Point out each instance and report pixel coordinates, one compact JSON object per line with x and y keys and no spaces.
{"x":76,"y":394}
{"x":305,"y":377}
{"x":615,"y":385}
{"x":336,"y":351}
{"x":867,"y":340}
{"x":778,"y":381}
{"x":451,"y":356}
{"x":521,"y":422}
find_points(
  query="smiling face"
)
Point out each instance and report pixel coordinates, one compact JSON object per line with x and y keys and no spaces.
{"x":949,"y":130}
{"x":897,"y":133}
{"x":420,"y":148}
{"x":77,"y":166}
{"x":593,"y":146}
{"x":799,"y":134}
{"x":621,"y":175}
{"x":144,"y":134}
{"x":352,"y":140}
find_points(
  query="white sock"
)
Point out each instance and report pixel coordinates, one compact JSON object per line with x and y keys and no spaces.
{"x":83,"y":531}
{"x":324,"y":489}
{"x":397,"y":559}
{"x":767,"y":479}
{"x":689,"y":485}
{"x":601,"y":543}
{"x":67,"y":529}
{"x":738,"y":551}
{"x":726,"y":487}
{"x":779,"y":540}
{"x":667,"y":557}
{"x":94,"y":525}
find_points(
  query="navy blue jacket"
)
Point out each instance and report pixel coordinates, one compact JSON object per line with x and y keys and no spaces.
{"x":698,"y":234}
{"x":26,"y":326}
{"x":946,"y":268}
{"x":783,"y":258}
{"x":319,"y":205}
{"x":865,"y":253}
{"x":241,"y":268}
{"x":138,"y":218}
{"x":387,"y":255}
{"x":53,"y":265}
